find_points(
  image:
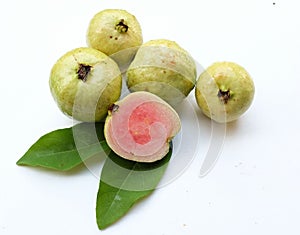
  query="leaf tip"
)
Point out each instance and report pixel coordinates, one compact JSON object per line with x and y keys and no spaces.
{"x":20,"y":162}
{"x":101,"y":225}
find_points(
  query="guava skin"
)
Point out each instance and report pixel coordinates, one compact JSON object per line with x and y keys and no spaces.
{"x":163,"y":68}
{"x":224,"y":91}
{"x":84,"y":82}
{"x":114,"y":30}
{"x":140,"y":127}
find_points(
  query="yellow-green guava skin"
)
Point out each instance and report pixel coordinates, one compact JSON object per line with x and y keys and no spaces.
{"x":230,"y":78}
{"x":87,"y":100}
{"x":163,"y":68}
{"x":105,"y":35}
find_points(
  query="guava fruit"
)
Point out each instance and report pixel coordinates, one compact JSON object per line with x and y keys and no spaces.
{"x":140,"y":127}
{"x":84,"y":82}
{"x":163,"y":68}
{"x":224,"y":91}
{"x":115,"y":32}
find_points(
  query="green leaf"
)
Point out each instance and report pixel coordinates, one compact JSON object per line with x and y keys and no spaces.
{"x":65,"y":149}
{"x":123,"y":183}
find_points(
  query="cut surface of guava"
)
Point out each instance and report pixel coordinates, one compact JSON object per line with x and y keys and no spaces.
{"x":141,"y":127}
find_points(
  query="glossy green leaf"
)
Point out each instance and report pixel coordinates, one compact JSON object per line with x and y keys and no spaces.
{"x":123,"y":183}
{"x":65,"y":149}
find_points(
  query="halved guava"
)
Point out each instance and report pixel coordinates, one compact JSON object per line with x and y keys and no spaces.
{"x":141,"y":126}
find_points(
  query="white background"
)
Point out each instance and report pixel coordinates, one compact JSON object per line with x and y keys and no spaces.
{"x":254,"y":187}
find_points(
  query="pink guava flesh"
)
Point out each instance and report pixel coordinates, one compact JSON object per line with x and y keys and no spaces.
{"x":140,"y":121}
{"x":141,"y":128}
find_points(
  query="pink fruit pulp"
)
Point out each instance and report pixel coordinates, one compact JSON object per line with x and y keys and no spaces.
{"x":141,"y":128}
{"x":140,"y":121}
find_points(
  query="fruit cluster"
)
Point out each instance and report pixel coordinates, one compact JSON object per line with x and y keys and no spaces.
{"x":86,"y":84}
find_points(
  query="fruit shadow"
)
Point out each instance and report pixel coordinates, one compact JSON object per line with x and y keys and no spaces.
{"x":232,"y":127}
{"x":210,"y":134}
{"x":210,"y":125}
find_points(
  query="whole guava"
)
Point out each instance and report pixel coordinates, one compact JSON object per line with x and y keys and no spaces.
{"x":163,"y":68}
{"x":224,"y":91}
{"x":140,"y":127}
{"x":84,"y":82}
{"x":115,"y":32}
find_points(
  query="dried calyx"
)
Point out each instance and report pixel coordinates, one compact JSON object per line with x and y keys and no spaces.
{"x":83,"y":71}
{"x":224,"y":95}
{"x":122,"y":27}
{"x":113,"y":108}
